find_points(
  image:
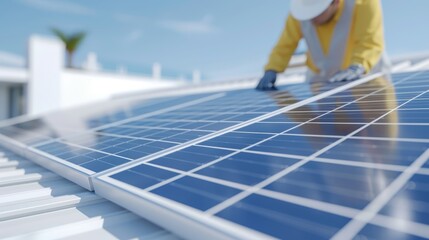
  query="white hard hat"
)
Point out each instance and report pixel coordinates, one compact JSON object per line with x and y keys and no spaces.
{"x":308,"y":9}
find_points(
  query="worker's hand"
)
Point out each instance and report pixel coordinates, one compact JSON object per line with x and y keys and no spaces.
{"x":268,"y":81}
{"x":352,"y":73}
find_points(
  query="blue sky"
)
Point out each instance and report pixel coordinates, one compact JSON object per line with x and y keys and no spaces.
{"x":222,"y":38}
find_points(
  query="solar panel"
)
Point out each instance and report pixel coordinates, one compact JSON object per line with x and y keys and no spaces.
{"x":45,"y":138}
{"x":97,"y":140}
{"x":344,"y":165}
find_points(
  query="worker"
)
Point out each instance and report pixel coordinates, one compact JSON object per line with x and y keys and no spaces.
{"x":344,"y":37}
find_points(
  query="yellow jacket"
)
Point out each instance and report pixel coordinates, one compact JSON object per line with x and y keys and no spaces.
{"x":365,"y":44}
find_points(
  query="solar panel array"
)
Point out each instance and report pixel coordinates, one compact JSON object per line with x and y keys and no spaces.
{"x":53,"y":125}
{"x":127,"y":131}
{"x":309,"y":161}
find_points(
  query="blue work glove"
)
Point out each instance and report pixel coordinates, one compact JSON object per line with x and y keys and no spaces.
{"x":268,"y":81}
{"x":352,"y":73}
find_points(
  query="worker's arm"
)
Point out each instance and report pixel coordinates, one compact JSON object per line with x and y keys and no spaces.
{"x":285,"y":47}
{"x":368,"y":34}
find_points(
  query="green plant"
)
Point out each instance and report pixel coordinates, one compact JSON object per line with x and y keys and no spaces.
{"x":71,"y":43}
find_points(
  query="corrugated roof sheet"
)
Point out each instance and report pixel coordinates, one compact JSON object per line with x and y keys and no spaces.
{"x":38,"y":204}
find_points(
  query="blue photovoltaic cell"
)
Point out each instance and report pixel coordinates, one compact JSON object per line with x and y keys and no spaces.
{"x":235,"y":140}
{"x":87,"y":158}
{"x":407,"y":116}
{"x":412,"y":199}
{"x":294,"y":145}
{"x":195,"y":193}
{"x":343,"y":185}
{"x":325,"y":129}
{"x":144,"y":176}
{"x":377,"y":151}
{"x":349,"y":116}
{"x":186,"y":136}
{"x":283,"y":220}
{"x":267,"y":127}
{"x":129,"y":110}
{"x":247,"y":168}
{"x":292,"y":117}
{"x":418,"y":103}
{"x":217,"y":126}
{"x":401,"y":131}
{"x":97,"y":166}
{"x":372,"y":232}
{"x":190,"y":158}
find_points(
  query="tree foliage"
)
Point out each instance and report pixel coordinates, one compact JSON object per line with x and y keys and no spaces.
{"x":71,"y":42}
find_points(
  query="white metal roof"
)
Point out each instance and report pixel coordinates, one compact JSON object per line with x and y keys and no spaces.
{"x":38,"y":204}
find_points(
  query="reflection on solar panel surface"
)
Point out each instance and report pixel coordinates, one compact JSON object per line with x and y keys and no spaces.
{"x":338,"y":161}
{"x":348,"y":165}
{"x":129,"y":139}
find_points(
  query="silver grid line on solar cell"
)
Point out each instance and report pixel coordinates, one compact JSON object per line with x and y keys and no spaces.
{"x":25,"y":119}
{"x":254,"y":189}
{"x":310,"y":203}
{"x":16,"y":144}
{"x":369,"y":123}
{"x":165,"y":110}
{"x":109,"y":186}
{"x":150,"y":114}
{"x":293,"y":167}
{"x":235,"y":127}
{"x":88,"y":185}
{"x":360,"y":220}
{"x":381,"y":166}
{"x":257,"y":119}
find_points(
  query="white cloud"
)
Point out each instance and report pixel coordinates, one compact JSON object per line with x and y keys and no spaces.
{"x":134,"y":36}
{"x":62,"y":6}
{"x":204,"y":25}
{"x":11,"y":59}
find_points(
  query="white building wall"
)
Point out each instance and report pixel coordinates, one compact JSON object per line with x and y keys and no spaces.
{"x":45,"y":62}
{"x":79,"y":87}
